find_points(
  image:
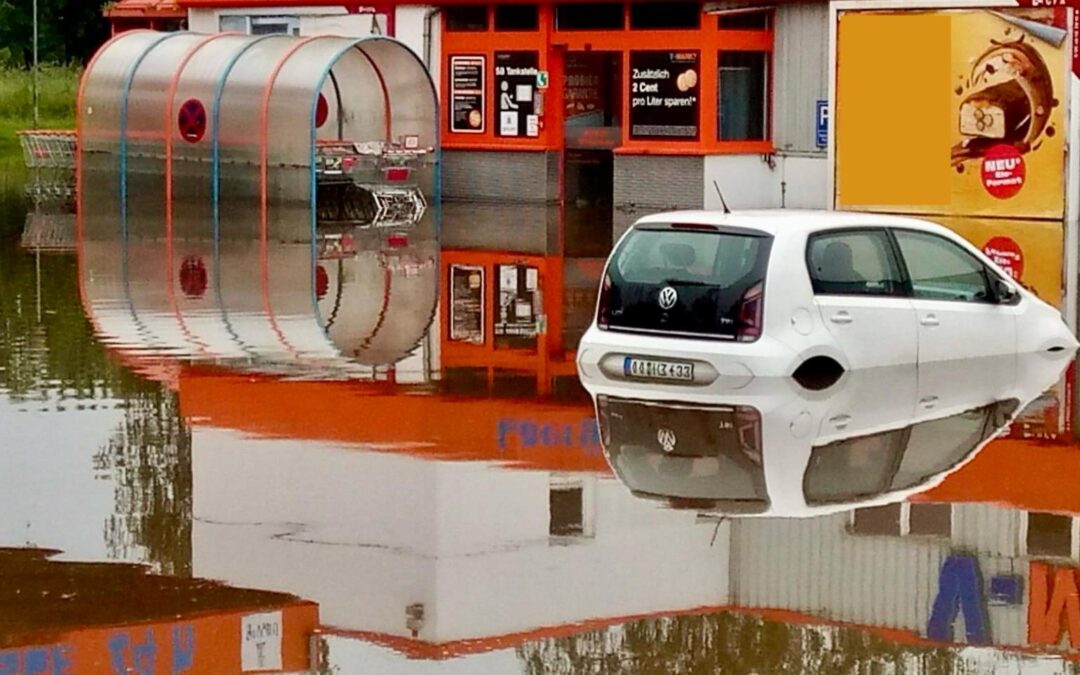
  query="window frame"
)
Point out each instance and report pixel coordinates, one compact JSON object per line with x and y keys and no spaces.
{"x":558,"y":7}
{"x":493,"y":22}
{"x":290,"y":21}
{"x":701,"y":16}
{"x":989,"y":275}
{"x":489,"y":19}
{"x":769,"y":79}
{"x":903,"y":289}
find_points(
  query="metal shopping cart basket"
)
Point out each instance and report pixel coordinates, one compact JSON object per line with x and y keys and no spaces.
{"x":50,"y":157}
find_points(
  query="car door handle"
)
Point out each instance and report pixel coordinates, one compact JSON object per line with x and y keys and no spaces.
{"x":930,"y":320}
{"x":841,"y":317}
{"x":928,"y":402}
{"x":840,"y":421}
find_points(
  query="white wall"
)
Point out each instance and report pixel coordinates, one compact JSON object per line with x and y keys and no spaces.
{"x":748,"y":182}
{"x":366,"y":534}
{"x":313,"y":20}
{"x":347,"y":25}
{"x":53,"y":497}
{"x":353,"y":655}
{"x":410,"y":28}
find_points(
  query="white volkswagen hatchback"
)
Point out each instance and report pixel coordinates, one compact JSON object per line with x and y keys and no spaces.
{"x":698,"y":297}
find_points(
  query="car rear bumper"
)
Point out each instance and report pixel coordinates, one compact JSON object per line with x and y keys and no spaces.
{"x":718,"y":365}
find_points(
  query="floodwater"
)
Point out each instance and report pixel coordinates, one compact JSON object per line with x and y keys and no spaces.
{"x":214,"y":460}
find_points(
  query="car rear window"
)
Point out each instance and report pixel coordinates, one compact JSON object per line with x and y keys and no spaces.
{"x":678,"y":255}
{"x":715,"y":275}
{"x":711,"y":456}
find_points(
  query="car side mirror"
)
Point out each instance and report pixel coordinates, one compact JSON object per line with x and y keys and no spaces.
{"x":1004,"y":292}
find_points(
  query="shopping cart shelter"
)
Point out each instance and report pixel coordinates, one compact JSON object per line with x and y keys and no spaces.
{"x":190,"y":136}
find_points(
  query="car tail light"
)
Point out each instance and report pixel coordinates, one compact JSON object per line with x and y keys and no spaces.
{"x":751,"y":313}
{"x":602,"y":305}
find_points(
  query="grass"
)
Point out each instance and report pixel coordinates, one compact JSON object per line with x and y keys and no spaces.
{"x":58,"y":86}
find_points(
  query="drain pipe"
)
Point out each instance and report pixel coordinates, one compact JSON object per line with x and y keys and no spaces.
{"x":429,"y":18}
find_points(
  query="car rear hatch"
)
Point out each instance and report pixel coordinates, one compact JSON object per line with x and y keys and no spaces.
{"x":702,"y":458}
{"x":687,"y":280}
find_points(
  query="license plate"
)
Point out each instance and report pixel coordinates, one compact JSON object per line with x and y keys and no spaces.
{"x":651,"y":369}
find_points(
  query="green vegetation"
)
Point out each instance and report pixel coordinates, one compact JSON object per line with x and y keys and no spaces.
{"x":69,"y":31}
{"x":58,"y":86}
{"x":51,"y":362}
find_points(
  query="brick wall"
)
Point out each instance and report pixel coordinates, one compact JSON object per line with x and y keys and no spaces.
{"x":647,"y":184}
{"x":659,"y":183}
{"x":500,"y":176}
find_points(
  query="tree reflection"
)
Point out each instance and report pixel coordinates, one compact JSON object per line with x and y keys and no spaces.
{"x":48,"y":353}
{"x":149,"y":460}
{"x":51,"y":352}
{"x":744,"y":643}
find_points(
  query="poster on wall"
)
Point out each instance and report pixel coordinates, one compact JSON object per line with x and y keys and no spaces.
{"x":517,"y":322}
{"x":664,"y":94}
{"x":975,"y":121}
{"x":515,"y":85}
{"x":583,"y":93}
{"x":1031,"y":252}
{"x":467,"y":304}
{"x":467,"y":94}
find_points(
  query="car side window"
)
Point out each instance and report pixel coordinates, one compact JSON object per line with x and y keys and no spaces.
{"x":853,"y":262}
{"x":942,"y":270}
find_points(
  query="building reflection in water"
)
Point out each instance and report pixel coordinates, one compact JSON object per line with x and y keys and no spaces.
{"x":68,"y":617}
{"x":403,"y":441}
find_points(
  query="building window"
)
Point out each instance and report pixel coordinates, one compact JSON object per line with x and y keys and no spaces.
{"x":1049,"y":534}
{"x":275,"y":25}
{"x":517,"y":17}
{"x":744,"y":20}
{"x":744,"y":96}
{"x":233,"y":24}
{"x":665,"y":15}
{"x":903,"y":519}
{"x":879,"y":520}
{"x":567,"y":506}
{"x":589,"y":16}
{"x":259,"y":25}
{"x":466,"y":18}
{"x":930,"y":519}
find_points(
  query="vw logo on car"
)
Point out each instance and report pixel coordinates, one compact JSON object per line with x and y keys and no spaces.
{"x":667,"y":440}
{"x":668,"y":297}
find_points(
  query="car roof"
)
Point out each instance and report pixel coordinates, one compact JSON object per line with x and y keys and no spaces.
{"x":775,"y":221}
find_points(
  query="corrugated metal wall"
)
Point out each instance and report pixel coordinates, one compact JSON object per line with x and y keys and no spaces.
{"x":987,"y":529}
{"x":801,"y":64}
{"x":815,"y":566}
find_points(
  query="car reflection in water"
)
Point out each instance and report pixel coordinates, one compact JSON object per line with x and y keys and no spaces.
{"x":774,"y":448}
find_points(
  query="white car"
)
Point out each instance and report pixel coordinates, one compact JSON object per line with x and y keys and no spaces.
{"x":713,"y":299}
{"x":875,"y":437}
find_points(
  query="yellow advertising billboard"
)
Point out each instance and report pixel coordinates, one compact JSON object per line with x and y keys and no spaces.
{"x":1031,"y":251}
{"x":952,"y":112}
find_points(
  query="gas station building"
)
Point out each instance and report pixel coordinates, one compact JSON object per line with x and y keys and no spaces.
{"x":626,"y":108}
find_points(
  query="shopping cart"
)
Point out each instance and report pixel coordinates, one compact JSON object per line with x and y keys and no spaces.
{"x":50,"y":157}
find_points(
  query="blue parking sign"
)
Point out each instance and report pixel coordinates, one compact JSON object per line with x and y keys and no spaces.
{"x":822,"y":124}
